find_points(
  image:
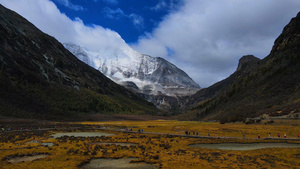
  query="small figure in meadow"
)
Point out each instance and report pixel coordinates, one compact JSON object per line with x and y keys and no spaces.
{"x":278,"y":135}
{"x":198,"y":134}
{"x":186,"y":133}
{"x":269,"y":135}
{"x":298,"y":135}
{"x":208,"y":134}
{"x":244,"y":136}
{"x":258,"y":136}
{"x":284,"y":135}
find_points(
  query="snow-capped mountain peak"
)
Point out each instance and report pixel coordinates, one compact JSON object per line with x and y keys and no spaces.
{"x":150,"y":75}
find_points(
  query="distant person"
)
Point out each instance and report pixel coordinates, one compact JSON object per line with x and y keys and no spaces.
{"x":244,"y":136}
{"x":142,"y":130}
{"x":198,"y":134}
{"x":298,"y":135}
{"x":208,"y":134}
{"x":258,"y":136}
{"x":186,"y":133}
{"x":269,"y":135}
{"x":284,"y":135}
{"x":278,"y":135}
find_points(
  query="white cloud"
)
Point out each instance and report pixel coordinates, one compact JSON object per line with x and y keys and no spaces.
{"x":208,"y":37}
{"x":137,"y":20}
{"x":160,"y":5}
{"x":166,"y":5}
{"x":113,"y":13}
{"x":45,"y":15}
{"x":70,"y":5}
{"x":204,"y":38}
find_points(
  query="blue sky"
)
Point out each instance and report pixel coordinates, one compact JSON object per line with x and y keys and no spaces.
{"x":130,"y":18}
{"x":205,"y":38}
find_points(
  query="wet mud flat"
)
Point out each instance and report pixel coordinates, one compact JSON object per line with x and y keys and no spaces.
{"x":25,"y":158}
{"x":81,"y":134}
{"x":244,"y":147}
{"x":122,"y":163}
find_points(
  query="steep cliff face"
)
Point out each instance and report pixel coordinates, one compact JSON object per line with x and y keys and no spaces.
{"x":257,"y":87}
{"x":288,"y":41}
{"x":247,"y":62}
{"x":39,"y":78}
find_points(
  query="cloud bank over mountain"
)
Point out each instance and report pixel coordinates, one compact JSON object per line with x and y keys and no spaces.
{"x":204,"y":38}
{"x":45,"y":15}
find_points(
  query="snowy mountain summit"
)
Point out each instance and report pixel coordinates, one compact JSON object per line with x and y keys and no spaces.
{"x":139,"y":72}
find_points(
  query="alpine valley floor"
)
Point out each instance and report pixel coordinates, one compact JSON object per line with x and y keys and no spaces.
{"x":159,"y":144}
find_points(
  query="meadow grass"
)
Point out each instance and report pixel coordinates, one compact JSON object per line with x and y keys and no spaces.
{"x":166,"y":150}
{"x":215,"y":129}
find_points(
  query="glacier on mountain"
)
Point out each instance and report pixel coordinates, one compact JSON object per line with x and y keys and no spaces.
{"x":140,"y":72}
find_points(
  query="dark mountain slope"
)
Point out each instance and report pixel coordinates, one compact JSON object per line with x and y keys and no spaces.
{"x":245,"y":64}
{"x":39,"y":78}
{"x":257,"y":87}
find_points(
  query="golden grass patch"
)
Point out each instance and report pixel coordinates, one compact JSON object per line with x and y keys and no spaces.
{"x":168,"y":151}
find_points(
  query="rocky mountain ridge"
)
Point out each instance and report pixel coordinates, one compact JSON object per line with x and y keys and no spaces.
{"x":246,"y":63}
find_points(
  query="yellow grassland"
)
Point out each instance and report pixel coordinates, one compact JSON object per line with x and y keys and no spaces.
{"x":168,"y":151}
{"x":290,"y":128}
